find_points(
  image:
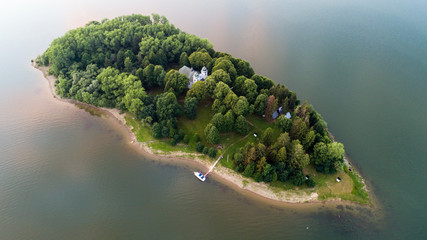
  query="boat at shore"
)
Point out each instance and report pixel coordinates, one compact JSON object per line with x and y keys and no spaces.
{"x":200,"y":176}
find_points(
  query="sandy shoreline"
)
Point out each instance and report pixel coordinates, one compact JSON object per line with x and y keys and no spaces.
{"x":224,"y":175}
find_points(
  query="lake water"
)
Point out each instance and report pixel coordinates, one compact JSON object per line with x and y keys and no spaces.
{"x":65,"y":174}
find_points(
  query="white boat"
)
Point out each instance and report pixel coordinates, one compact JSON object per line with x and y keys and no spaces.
{"x":200,"y":176}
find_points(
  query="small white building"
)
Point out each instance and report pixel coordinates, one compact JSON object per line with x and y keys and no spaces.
{"x":194,"y":76}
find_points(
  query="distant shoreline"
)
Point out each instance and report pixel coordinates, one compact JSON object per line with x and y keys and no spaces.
{"x":225,"y":175}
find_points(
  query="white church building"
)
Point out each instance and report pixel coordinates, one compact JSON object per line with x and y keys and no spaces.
{"x":194,"y":76}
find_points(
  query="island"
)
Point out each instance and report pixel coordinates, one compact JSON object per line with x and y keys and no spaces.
{"x":183,"y":100}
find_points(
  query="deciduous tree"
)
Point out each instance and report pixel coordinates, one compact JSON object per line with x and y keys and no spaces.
{"x":241,"y":126}
{"x":198,"y":90}
{"x":260,"y":104}
{"x":212,"y":134}
{"x":267,"y":137}
{"x":190,"y":106}
{"x":176,"y":81}
{"x":241,"y":107}
{"x":199,"y":59}
{"x":298,"y":158}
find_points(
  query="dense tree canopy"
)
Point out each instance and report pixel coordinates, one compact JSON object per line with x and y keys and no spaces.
{"x":212,"y":134}
{"x":226,"y":65}
{"x":176,"y":81}
{"x":167,"y":106}
{"x":198,"y":60}
{"x":260,"y":104}
{"x":190,"y":105}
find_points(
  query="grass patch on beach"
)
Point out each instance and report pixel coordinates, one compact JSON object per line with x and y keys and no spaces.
{"x":359,"y":192}
{"x":142,"y":133}
{"x":165,"y":147}
{"x":350,"y":188}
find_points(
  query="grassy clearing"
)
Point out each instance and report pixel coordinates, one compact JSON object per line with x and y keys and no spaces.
{"x":350,"y":188}
{"x":359,"y":192}
{"x":260,"y":125}
{"x":165,"y":147}
{"x":191,"y":127}
{"x":142,"y":133}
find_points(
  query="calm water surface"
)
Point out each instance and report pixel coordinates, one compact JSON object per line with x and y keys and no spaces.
{"x":65,"y":174}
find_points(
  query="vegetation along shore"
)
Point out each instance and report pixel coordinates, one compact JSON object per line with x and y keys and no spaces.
{"x":182,"y":99}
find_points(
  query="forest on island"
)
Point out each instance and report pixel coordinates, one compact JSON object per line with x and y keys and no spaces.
{"x":131,"y":63}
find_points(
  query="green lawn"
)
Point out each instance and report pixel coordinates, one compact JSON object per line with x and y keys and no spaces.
{"x":191,"y":127}
{"x":142,"y":133}
{"x":229,"y":141}
{"x":165,"y":147}
{"x":350,"y":187}
{"x":260,"y":125}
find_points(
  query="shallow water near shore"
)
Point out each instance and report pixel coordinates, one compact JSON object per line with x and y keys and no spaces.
{"x":65,"y":174}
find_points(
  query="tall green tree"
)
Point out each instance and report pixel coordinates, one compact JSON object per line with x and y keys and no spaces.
{"x":262,"y":163}
{"x":190,"y":106}
{"x":262,"y":82}
{"x":167,"y":106}
{"x":219,"y":122}
{"x":226,"y":65}
{"x":284,"y":123}
{"x":244,"y":68}
{"x":159,"y":74}
{"x":212,"y":134}
{"x":176,"y":81}
{"x":281,"y":155}
{"x":183,"y":60}
{"x":250,"y":90}
{"x":228,"y":121}
{"x":230,"y":100}
{"x":198,"y":90}
{"x":149,"y":79}
{"x":128,"y":65}
{"x":156,"y":129}
{"x":199,"y":59}
{"x":241,"y":107}
{"x":221,"y":76}
{"x":283,"y":141}
{"x":267,"y":137}
{"x":210,"y":85}
{"x":260,"y":104}
{"x":298,"y":158}
{"x":299,"y":129}
{"x":308,"y":140}
{"x":241,"y":126}
{"x":221,"y":90}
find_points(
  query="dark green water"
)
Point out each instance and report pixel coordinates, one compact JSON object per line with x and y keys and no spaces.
{"x":65,"y":174}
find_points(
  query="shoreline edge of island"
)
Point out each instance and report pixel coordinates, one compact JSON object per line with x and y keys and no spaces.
{"x":241,"y":184}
